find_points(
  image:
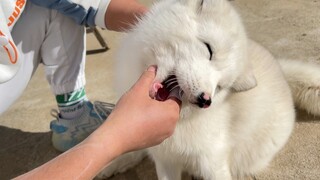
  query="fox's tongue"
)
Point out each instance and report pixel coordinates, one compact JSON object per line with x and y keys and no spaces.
{"x":169,"y":88}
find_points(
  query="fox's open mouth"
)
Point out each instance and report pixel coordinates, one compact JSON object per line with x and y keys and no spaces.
{"x":170,"y":88}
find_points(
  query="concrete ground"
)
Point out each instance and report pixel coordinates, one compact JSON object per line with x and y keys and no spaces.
{"x":288,"y":28}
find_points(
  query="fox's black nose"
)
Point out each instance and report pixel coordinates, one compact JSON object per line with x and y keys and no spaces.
{"x":204,"y":100}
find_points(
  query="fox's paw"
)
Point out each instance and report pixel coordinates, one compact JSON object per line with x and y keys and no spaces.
{"x":308,"y":98}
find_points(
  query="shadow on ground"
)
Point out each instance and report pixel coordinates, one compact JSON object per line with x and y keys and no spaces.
{"x":19,"y":153}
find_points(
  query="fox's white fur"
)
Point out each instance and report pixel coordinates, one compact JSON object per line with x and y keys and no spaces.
{"x":252,"y":112}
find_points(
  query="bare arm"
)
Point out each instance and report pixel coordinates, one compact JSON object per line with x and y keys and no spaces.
{"x":137,"y":121}
{"x":121,"y":14}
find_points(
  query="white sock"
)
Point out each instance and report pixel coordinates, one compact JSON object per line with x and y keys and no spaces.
{"x":71,"y":105}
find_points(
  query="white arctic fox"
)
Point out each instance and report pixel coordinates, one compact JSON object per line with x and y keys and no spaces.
{"x":237,"y":108}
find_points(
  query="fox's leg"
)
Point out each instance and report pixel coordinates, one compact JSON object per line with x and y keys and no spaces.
{"x":304,"y":80}
{"x":168,"y":170}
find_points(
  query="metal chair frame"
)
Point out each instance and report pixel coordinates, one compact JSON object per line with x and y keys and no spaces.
{"x":102,"y":42}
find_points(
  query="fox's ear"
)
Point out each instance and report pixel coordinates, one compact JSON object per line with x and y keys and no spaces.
{"x":245,"y":82}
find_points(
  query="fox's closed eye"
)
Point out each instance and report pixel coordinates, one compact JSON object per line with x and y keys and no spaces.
{"x":209,"y":49}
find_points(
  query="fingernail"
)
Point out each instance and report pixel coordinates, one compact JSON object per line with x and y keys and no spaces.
{"x":152,"y":68}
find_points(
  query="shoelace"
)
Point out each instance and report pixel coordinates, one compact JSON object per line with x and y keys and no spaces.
{"x":98,"y":106}
{"x":102,"y":108}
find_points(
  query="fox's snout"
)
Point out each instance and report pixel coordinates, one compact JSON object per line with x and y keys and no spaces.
{"x":203,"y":100}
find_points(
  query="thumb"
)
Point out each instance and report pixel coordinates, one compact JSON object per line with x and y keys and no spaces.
{"x":147,"y":78}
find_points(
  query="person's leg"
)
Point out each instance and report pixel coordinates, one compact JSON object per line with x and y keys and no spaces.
{"x":63,"y":55}
{"x":28,"y":36}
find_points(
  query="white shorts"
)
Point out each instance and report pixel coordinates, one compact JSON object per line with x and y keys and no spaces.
{"x":47,"y":37}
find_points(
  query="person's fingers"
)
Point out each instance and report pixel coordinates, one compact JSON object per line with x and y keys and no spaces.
{"x":174,"y":101}
{"x":147,"y":78}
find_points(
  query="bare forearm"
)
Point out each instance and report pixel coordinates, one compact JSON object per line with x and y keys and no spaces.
{"x":83,"y":161}
{"x":122,"y":14}
{"x":132,"y":125}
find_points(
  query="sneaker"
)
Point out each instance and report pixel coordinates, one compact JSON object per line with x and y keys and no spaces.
{"x":67,"y":133}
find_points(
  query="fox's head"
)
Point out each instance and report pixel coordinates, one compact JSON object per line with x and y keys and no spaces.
{"x":202,"y":43}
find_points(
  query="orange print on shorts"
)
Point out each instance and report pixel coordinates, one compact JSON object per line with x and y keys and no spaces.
{"x":14,"y":59}
{"x":17,"y":11}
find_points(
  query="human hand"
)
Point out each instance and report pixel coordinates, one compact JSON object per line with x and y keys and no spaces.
{"x":138,"y":121}
{"x":142,"y":121}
